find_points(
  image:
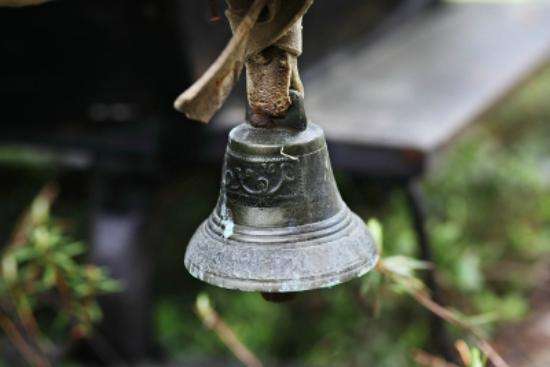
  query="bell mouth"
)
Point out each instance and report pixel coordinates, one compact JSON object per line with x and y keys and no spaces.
{"x":281,"y":260}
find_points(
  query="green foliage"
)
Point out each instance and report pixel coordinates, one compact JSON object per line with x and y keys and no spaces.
{"x":489,"y":205}
{"x":477,"y":359}
{"x":41,"y":274}
{"x":473,"y":356}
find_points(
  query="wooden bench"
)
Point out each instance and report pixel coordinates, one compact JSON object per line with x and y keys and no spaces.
{"x":388,"y":106}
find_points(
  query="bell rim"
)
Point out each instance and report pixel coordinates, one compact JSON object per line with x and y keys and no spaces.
{"x":282,"y":286}
{"x":348,"y":271}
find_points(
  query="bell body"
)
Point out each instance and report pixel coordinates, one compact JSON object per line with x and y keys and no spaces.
{"x":280,"y":224}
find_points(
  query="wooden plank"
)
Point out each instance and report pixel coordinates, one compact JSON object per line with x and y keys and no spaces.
{"x":422,"y":84}
{"x":416,"y":87}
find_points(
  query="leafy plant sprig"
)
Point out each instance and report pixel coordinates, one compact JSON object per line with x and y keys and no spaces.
{"x":39,"y":270}
{"x":400,"y":272}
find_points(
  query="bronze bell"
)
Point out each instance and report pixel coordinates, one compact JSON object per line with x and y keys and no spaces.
{"x":280,"y":224}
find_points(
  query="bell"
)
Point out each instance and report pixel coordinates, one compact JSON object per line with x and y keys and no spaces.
{"x":280,"y":224}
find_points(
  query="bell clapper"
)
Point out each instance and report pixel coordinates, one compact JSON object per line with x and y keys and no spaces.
{"x":279,"y":297}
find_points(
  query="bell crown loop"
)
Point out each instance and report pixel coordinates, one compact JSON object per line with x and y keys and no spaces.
{"x":276,"y":142}
{"x":294,"y":118}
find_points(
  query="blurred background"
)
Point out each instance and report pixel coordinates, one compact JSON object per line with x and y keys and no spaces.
{"x":437,"y":118}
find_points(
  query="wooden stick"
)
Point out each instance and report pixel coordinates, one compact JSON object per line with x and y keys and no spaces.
{"x":19,"y":3}
{"x":427,"y":360}
{"x":26,"y":351}
{"x":422,"y":297}
{"x":213,"y":321}
{"x":450,"y":317}
{"x":205,"y":97}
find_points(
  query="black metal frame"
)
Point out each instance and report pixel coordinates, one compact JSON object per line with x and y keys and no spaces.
{"x":416,"y":200}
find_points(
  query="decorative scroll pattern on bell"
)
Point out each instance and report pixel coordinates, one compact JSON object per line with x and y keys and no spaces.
{"x":280,"y":224}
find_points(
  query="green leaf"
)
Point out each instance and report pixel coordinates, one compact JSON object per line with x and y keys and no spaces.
{"x":64,"y":262}
{"x":40,"y":210}
{"x":25,"y":253}
{"x":83,"y":289}
{"x":375,"y":229}
{"x":371,"y":283}
{"x":468,"y":272}
{"x":477,"y":358}
{"x":482,"y":319}
{"x":404,"y":266}
{"x":94,"y":312}
{"x":49,"y":277}
{"x":41,"y":238}
{"x":74,"y":249}
{"x":110,"y":286}
{"x":9,"y":269}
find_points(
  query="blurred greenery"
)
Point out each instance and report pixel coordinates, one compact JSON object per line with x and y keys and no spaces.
{"x":489,"y":205}
{"x":48,"y":298}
